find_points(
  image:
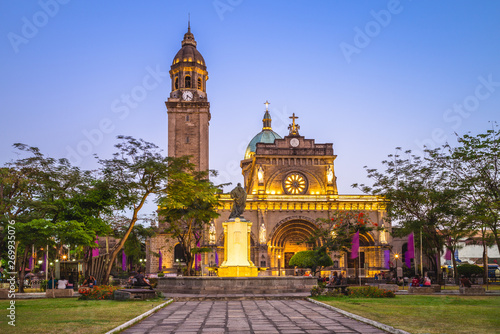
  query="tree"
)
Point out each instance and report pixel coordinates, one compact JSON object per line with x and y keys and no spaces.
{"x":314,"y":259}
{"x":468,"y":270}
{"x":336,"y":233}
{"x":135,"y":173}
{"x":421,"y":199}
{"x":188,"y":205}
{"x":49,"y":200}
{"x":476,"y":167}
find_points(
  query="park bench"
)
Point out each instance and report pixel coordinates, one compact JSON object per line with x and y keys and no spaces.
{"x":421,"y":290}
{"x":341,"y":287}
{"x":475,"y":290}
{"x":58,"y":293}
{"x":390,"y":287}
{"x":134,"y":294}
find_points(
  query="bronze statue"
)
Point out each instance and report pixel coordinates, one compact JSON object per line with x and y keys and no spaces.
{"x":239,"y":197}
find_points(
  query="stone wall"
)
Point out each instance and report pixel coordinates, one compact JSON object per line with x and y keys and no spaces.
{"x":258,"y":285}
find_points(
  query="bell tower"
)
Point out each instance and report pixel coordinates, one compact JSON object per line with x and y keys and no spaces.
{"x":187,"y":107}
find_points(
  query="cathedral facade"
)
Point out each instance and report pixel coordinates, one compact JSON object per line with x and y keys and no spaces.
{"x":290,"y":183}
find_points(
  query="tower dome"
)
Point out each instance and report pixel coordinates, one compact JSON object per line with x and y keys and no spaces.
{"x":189,"y":71}
{"x":267,"y":135}
{"x":188,"y":52}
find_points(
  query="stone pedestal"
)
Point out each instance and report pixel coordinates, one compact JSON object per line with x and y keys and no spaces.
{"x":237,"y":261}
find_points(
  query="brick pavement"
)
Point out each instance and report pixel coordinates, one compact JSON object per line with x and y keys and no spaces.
{"x":249,"y":316}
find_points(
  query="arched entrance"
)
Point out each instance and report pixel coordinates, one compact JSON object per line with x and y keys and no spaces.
{"x":289,"y":237}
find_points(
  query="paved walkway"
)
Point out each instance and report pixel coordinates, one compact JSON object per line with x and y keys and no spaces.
{"x":249,"y":316}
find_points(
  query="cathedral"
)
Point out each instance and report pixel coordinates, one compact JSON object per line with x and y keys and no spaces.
{"x":290,"y":183}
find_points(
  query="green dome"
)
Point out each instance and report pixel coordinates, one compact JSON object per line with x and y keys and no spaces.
{"x":265,"y":136}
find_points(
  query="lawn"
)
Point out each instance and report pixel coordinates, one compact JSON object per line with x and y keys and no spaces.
{"x":427,"y":314}
{"x":69,"y":315}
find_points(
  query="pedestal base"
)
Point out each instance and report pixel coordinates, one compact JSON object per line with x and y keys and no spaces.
{"x":238,"y":271}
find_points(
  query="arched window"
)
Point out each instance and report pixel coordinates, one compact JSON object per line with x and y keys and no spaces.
{"x":187,"y":81}
{"x":187,"y":118}
{"x":178,"y":254}
{"x":176,"y":84}
{"x":187,"y":140}
{"x":199,"y":83}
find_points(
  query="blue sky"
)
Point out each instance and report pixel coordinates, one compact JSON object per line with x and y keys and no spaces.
{"x":367,"y":76}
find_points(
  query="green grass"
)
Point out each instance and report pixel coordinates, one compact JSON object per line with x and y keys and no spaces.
{"x":69,"y":315}
{"x":427,"y":314}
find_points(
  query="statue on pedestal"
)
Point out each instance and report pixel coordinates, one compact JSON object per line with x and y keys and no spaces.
{"x":239,"y":197}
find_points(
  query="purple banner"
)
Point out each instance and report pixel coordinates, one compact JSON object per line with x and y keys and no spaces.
{"x":411,"y":246}
{"x":160,"y":260}
{"x":95,"y":251}
{"x":387,"y":259}
{"x":355,"y":246}
{"x":216,"y":258}
{"x":447,"y":256}
{"x":124,"y":261}
{"x":30,"y":263}
{"x":408,"y":259}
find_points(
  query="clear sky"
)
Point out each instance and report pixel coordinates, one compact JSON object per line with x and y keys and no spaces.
{"x":367,"y":76}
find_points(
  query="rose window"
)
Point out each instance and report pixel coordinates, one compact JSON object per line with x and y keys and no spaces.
{"x":295,"y":184}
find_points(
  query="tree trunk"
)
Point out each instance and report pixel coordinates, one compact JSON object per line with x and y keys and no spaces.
{"x":119,"y":246}
{"x":438,"y":268}
{"x":485,"y":262}
{"x":455,"y":269}
{"x":23,"y":272}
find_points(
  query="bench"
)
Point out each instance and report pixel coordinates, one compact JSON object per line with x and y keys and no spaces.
{"x":58,"y":293}
{"x":390,"y":287}
{"x":475,"y":290}
{"x":134,"y":294}
{"x":421,"y":290}
{"x":342,"y":288}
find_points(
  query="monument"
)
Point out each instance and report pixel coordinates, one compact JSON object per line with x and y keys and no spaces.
{"x":237,"y":231}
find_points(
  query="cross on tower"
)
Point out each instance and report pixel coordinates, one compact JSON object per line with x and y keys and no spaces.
{"x":294,"y":128}
{"x":267,"y":105}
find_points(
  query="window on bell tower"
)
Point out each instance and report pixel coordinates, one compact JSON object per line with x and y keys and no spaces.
{"x":187,"y":81}
{"x":176,"y":84}
{"x":199,"y":83}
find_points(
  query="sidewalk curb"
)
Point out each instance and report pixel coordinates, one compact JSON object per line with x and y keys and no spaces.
{"x":139,"y":318}
{"x":386,"y":328}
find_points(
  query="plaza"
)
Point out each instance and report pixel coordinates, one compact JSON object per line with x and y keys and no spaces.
{"x":249,"y":316}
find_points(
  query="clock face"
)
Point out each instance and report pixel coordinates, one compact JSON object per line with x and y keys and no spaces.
{"x":295,"y":184}
{"x":187,"y":95}
{"x":294,"y":142}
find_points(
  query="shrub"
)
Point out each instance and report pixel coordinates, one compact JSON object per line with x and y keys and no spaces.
{"x":317,"y":290}
{"x":370,"y":292}
{"x":97,"y":292}
{"x":43,"y":285}
{"x":468,"y":270}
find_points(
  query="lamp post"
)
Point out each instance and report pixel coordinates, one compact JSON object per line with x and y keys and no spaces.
{"x":396,"y":257}
{"x":279,"y":265}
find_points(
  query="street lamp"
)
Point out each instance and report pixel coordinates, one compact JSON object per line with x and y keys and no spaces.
{"x":396,"y":257}
{"x":279,"y":265}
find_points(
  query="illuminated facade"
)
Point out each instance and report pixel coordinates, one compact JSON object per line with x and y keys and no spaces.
{"x":290,"y":182}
